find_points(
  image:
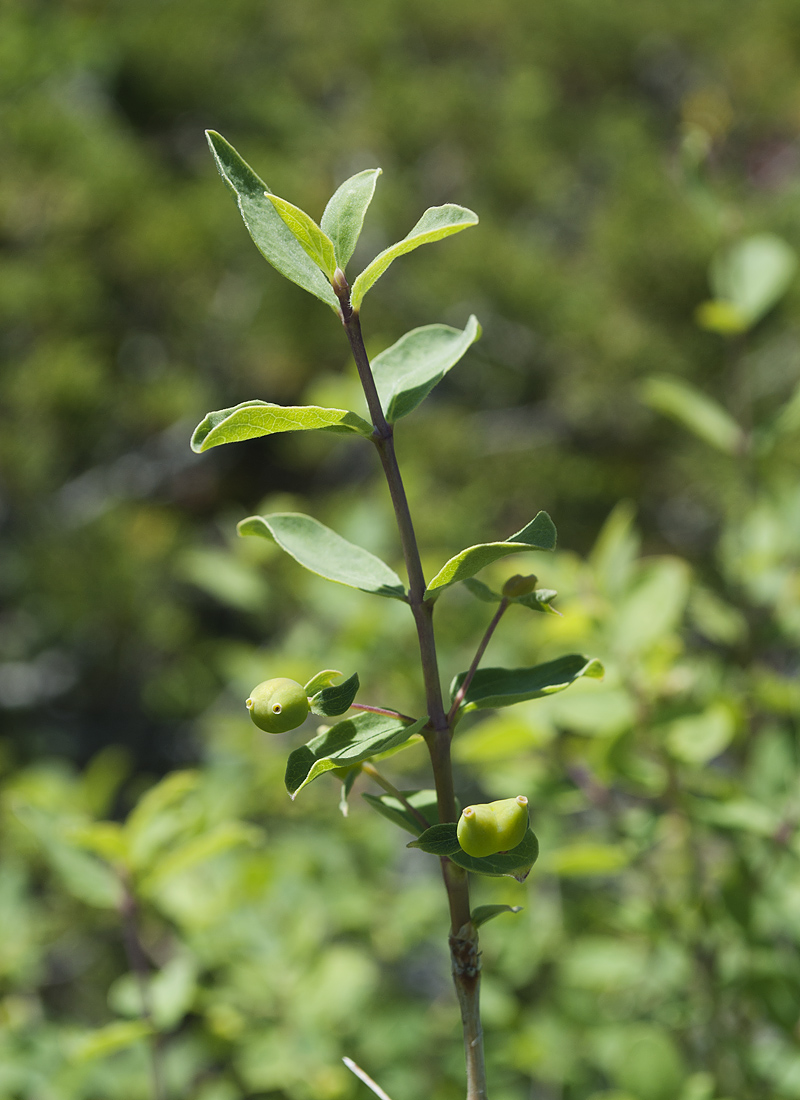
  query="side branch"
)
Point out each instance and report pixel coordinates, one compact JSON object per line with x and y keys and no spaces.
{"x":473,"y":668}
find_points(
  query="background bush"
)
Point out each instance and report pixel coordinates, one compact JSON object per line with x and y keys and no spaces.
{"x":612,"y":152}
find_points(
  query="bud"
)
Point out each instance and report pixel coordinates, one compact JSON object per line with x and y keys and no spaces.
{"x":519,"y":585}
{"x":491,"y":827}
{"x":278,"y":705}
{"x":340,"y":283}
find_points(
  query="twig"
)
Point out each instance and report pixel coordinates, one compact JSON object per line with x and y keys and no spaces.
{"x":473,"y":668}
{"x":365,"y":1077}
{"x":390,"y":788}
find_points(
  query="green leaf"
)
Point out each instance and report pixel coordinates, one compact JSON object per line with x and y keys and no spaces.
{"x":348,"y":777}
{"x":252,"y":419}
{"x":698,"y":738}
{"x":322,"y":680}
{"x":322,"y":551}
{"x":587,"y":858}
{"x":482,"y":913}
{"x":407,"y":371}
{"x":441,"y":840}
{"x":335,"y":700}
{"x":502,"y":687}
{"x":199,"y":849}
{"x":437,"y":222}
{"x":394,"y":810}
{"x":109,"y":1039}
{"x":345,"y":744}
{"x":754,"y":274}
{"x":274,"y":239}
{"x":538,"y":600}
{"x":540,"y":534}
{"x":691,"y":408}
{"x":481,"y":591}
{"x":344,"y":214}
{"x":307,"y":233}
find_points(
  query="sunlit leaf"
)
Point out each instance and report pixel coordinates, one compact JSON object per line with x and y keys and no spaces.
{"x":109,"y":1039}
{"x":322,"y":680}
{"x":539,"y":534}
{"x":344,"y":214}
{"x":695,"y":411}
{"x":308,"y":234}
{"x":502,"y":687}
{"x":437,"y":222}
{"x":252,"y":419}
{"x":754,"y":274}
{"x":698,"y":738}
{"x":407,"y":371}
{"x":345,"y":744}
{"x":322,"y":551}
{"x":274,"y":239}
{"x":441,"y":840}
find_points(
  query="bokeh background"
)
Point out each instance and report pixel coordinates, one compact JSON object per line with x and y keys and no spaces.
{"x":631,"y":162}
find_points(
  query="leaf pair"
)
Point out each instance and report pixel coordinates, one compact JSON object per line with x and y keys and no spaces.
{"x":404,"y":374}
{"x":345,"y":744}
{"x":321,"y":551}
{"x":308,"y":254}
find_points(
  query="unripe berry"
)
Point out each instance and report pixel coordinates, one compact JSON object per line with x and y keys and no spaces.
{"x":492,"y":827}
{"x":278,"y":705}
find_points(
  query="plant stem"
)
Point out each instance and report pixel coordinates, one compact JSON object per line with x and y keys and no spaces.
{"x":137,"y":961}
{"x":390,"y":788}
{"x":464,"y":954}
{"x":473,"y":668}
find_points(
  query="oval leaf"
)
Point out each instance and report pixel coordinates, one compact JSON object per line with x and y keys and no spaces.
{"x":393,"y":809}
{"x":322,"y":551}
{"x":754,"y":274}
{"x":344,"y":214}
{"x":307,"y":233}
{"x":407,"y":371}
{"x":700,"y":414}
{"x":540,"y":534}
{"x":483,"y":913}
{"x":273,"y":238}
{"x":437,"y":222}
{"x":323,"y":679}
{"x":345,"y":744}
{"x":331,"y":701}
{"x":441,"y":840}
{"x":252,"y":419}
{"x":502,"y":687}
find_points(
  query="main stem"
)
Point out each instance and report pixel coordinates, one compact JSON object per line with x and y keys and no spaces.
{"x":464,"y":954}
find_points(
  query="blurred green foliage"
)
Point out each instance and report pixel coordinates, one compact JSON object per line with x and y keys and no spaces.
{"x":619,"y":155}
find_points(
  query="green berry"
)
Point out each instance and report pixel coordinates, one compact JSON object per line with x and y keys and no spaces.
{"x":491,"y":827}
{"x":278,"y":705}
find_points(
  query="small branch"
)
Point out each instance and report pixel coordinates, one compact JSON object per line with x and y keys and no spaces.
{"x":383,"y":710}
{"x":473,"y":668}
{"x":137,"y":961}
{"x":365,"y":1077}
{"x":382,"y":781}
